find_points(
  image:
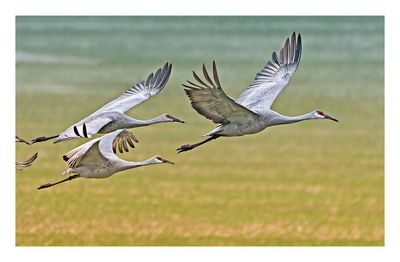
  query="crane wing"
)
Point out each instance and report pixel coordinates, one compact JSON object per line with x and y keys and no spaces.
{"x":209,"y":100}
{"x":139,"y":92}
{"x":120,"y":139}
{"x":28,"y":162}
{"x":100,"y":150}
{"x":273,"y":78}
{"x":74,"y":157}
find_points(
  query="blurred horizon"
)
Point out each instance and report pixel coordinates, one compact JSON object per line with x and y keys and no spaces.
{"x":312,"y":183}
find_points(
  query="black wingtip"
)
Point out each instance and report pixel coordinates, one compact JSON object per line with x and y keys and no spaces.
{"x":37,"y":153}
{"x":214,"y":66}
{"x":167,"y":68}
{"x":298,"y":49}
{"x":215,"y":75}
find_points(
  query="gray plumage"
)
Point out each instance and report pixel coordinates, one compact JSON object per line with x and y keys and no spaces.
{"x":97,"y":158}
{"x":111,"y":117}
{"x":274,"y":77}
{"x":251,"y":112}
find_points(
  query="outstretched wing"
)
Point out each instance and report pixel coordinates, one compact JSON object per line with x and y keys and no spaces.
{"x":273,"y":78}
{"x":209,"y":100}
{"x":100,"y":150}
{"x":140,"y":92}
{"x":120,"y":139}
{"x":28,"y":162}
{"x":75,"y":156}
{"x":123,"y":140}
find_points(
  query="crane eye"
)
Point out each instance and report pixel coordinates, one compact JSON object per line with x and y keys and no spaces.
{"x":320,"y":112}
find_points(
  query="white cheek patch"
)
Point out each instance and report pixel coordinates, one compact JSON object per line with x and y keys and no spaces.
{"x":318,"y":115}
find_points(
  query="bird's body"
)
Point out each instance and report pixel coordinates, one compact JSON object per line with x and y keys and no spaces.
{"x":253,"y":126}
{"x":251,"y":112}
{"x":97,"y":158}
{"x":107,"y":122}
{"x":111,"y":116}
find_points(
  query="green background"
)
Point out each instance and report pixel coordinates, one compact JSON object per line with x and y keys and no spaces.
{"x":311,"y":183}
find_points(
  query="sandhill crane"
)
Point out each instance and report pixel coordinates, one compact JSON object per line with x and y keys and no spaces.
{"x":111,"y":116}
{"x":26,"y":163}
{"x":97,"y":159}
{"x":251,"y":112}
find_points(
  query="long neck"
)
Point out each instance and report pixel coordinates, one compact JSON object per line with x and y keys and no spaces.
{"x":281,"y":119}
{"x":135,"y":123}
{"x":124,"y":165}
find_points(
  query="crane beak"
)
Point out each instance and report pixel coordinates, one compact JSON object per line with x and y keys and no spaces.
{"x":330,"y":118}
{"x":174,"y":119}
{"x":167,"y":161}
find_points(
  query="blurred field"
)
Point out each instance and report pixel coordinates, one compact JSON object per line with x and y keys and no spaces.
{"x":311,"y":183}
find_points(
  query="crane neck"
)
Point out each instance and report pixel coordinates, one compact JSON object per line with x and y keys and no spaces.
{"x":124,"y":165}
{"x":135,"y":123}
{"x":281,"y":119}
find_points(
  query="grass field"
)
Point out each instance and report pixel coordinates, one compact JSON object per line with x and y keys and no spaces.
{"x":311,"y":183}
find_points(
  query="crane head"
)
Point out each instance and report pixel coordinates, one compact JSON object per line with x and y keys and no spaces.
{"x":171,"y":118}
{"x":318,"y":113}
{"x":161,"y":160}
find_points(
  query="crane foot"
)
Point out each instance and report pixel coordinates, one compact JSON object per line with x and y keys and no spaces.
{"x":44,"y":186}
{"x":42,"y":138}
{"x":185,"y":148}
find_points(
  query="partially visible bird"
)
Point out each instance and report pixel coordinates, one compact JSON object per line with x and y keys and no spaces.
{"x":26,"y":163}
{"x":251,"y":112}
{"x":111,"y":116}
{"x":21,"y":140}
{"x":97,"y":159}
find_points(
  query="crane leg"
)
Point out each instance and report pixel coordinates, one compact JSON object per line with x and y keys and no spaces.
{"x":42,"y":138}
{"x":21,"y":140}
{"x":192,"y":146}
{"x":56,"y":183}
